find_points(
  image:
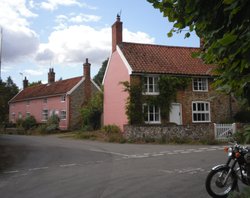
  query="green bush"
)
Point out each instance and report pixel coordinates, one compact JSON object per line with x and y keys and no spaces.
{"x":91,"y":112}
{"x":111,"y":129}
{"x":19,"y":122}
{"x":51,"y":126}
{"x":29,"y":122}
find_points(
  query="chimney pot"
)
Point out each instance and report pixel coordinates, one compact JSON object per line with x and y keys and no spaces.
{"x":51,"y":76}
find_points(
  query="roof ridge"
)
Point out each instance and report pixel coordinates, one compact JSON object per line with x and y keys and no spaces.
{"x":158,"y":45}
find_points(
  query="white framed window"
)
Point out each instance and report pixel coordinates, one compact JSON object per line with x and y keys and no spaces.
{"x":13,"y":117}
{"x":45,"y":115}
{"x":200,"y":111}
{"x":152,"y":114}
{"x":20,"y":116}
{"x":200,"y":84}
{"x":27,"y":114}
{"x":45,"y":100}
{"x":151,"y":85}
{"x":63,"y":98}
{"x":63,"y":115}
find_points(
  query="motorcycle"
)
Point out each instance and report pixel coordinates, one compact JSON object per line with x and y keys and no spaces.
{"x":223,"y":179}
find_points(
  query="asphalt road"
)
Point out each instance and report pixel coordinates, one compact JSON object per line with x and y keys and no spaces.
{"x":51,"y":167}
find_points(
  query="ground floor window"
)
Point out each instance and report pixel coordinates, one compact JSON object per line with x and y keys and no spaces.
{"x":45,"y":115}
{"x":20,"y":116}
{"x":201,"y":111}
{"x":13,"y":117}
{"x":63,"y":115}
{"x":151,"y":114}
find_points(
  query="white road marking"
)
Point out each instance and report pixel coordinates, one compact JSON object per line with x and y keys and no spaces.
{"x":10,"y":172}
{"x":67,"y":165}
{"x":39,"y":168}
{"x":109,"y":152}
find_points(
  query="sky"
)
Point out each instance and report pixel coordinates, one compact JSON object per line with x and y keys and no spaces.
{"x":61,"y":34}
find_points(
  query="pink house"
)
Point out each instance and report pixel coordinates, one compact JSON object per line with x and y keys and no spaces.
{"x":145,"y":64}
{"x":63,"y":98}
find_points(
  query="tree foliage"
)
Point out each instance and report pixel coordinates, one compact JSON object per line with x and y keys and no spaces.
{"x":39,"y":82}
{"x":99,"y":76}
{"x":224,"y":26}
{"x":8,"y":90}
{"x":92,"y":111}
{"x":168,"y":87}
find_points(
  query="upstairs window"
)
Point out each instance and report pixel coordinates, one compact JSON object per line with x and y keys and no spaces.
{"x":45,"y":100}
{"x":201,"y":111}
{"x":151,"y":86}
{"x":63,"y":98}
{"x":151,"y":114}
{"x":200,"y":84}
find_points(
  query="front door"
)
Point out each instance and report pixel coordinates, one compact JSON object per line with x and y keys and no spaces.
{"x":175,"y":114}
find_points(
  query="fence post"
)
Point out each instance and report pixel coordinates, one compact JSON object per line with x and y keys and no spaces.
{"x":215,"y":131}
{"x":234,"y":128}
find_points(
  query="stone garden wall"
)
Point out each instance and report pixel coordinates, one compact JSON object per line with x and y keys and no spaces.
{"x":169,"y":133}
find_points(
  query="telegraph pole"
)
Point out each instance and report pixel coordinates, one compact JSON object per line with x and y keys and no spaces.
{"x":1,"y":48}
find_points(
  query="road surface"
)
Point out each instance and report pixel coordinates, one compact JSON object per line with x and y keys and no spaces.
{"x":39,"y":167}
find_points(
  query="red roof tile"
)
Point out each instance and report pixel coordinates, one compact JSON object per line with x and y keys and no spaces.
{"x":148,"y":58}
{"x":45,"y":90}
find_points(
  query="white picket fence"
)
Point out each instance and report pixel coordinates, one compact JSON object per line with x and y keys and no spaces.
{"x":224,"y":131}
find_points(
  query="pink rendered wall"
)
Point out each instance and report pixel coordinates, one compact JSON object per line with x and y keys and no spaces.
{"x":114,"y":96}
{"x":35,"y":108}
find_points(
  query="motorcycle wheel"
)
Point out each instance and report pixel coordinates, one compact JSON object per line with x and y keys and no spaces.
{"x":214,"y":185}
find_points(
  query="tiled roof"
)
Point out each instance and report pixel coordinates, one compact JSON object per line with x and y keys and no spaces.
{"x":148,"y":58}
{"x":44,"y":90}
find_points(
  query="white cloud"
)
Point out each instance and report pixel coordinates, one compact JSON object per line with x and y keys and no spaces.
{"x":64,"y":21}
{"x":75,"y":43}
{"x":137,"y":37}
{"x":32,"y":72}
{"x":54,"y":4}
{"x":18,"y":39}
{"x":84,"y":18}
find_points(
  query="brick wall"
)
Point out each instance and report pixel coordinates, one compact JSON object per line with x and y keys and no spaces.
{"x":220,"y":107}
{"x":77,"y":99}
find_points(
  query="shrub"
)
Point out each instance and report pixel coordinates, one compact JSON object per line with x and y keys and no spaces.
{"x":91,"y":112}
{"x":111,"y":129}
{"x":29,"y":122}
{"x":51,"y":126}
{"x":54,"y":119}
{"x":19,"y":122}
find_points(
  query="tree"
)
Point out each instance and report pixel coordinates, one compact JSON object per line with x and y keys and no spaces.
{"x":99,"y":76}
{"x":224,"y":26}
{"x":8,"y":90}
{"x":39,"y":82}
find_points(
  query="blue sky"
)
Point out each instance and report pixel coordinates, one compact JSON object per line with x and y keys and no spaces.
{"x":39,"y":34}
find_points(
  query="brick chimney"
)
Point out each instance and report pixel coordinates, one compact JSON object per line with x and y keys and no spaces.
{"x":116,"y":33}
{"x":25,"y":83}
{"x":87,"y":81}
{"x":51,"y":76}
